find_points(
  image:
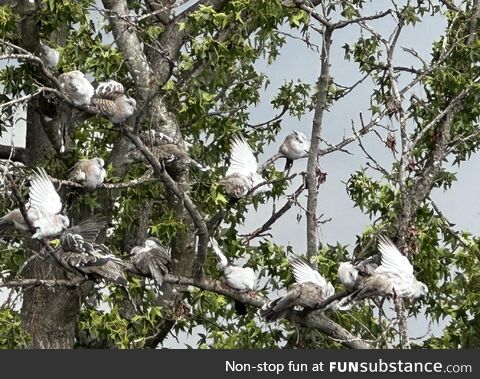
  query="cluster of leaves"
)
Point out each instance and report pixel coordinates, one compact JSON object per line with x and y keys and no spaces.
{"x":12,"y":335}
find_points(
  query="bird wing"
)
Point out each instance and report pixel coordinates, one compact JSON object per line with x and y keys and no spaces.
{"x":392,"y":259}
{"x":242,"y":160}
{"x":89,"y":227}
{"x":216,"y":249}
{"x":303,"y":273}
{"x":110,"y":89}
{"x":71,"y":242}
{"x":76,"y":173}
{"x":43,"y":195}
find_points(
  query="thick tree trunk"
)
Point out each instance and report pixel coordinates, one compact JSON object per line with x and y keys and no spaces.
{"x":50,"y":315}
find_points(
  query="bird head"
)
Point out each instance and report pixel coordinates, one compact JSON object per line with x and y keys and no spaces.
{"x":422,"y":289}
{"x":152,"y":243}
{"x":130,"y":106}
{"x":64,"y":220}
{"x":348,"y":274}
{"x":100,"y":162}
{"x":300,"y":136}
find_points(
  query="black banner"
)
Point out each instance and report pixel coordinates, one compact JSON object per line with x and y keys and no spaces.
{"x":239,"y":363}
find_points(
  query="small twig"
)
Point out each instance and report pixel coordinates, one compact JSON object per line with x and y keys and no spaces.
{"x":268,"y":224}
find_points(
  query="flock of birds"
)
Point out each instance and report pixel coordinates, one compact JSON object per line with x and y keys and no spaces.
{"x":389,"y":275}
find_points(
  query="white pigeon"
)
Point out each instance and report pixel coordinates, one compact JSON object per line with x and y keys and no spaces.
{"x":242,"y":279}
{"x":394,"y":277}
{"x":89,"y":172}
{"x":152,"y":259}
{"x":295,"y":146}
{"x":77,"y":87}
{"x":43,"y":209}
{"x":309,"y":291}
{"x":49,"y":56}
{"x":111,"y":102}
{"x":242,"y":174}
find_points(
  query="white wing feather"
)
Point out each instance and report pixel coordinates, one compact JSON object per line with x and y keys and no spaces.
{"x":43,"y":195}
{"x":242,"y":160}
{"x":393,"y":260}
{"x":304,"y":273}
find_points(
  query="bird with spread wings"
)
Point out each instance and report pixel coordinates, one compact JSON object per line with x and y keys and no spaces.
{"x":242,"y":176}
{"x":43,"y":210}
{"x":309,"y":290}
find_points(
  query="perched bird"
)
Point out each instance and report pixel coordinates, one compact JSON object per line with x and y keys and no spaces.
{"x":164,"y":148}
{"x":152,"y":259}
{"x":111,"y":102}
{"x":295,"y":146}
{"x":89,"y":172}
{"x":351,"y":275}
{"x":170,"y":152}
{"x":394,"y":277}
{"x":90,"y":258}
{"x":310,"y":290}
{"x":43,"y":209}
{"x":242,"y":174}
{"x":49,"y":56}
{"x":77,"y":87}
{"x":242,"y":279}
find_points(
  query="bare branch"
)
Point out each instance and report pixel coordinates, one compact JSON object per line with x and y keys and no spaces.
{"x":292,"y":199}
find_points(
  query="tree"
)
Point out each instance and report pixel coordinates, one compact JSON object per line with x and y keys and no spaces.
{"x":191,"y":69}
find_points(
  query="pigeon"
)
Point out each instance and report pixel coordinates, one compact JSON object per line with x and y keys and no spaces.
{"x":152,"y":259}
{"x":77,"y":87}
{"x":111,"y":102}
{"x":295,"y":146}
{"x":393,"y":277}
{"x":164,"y":148}
{"x":242,"y":279}
{"x":242,"y":174}
{"x":310,"y":290}
{"x":43,"y":210}
{"x":89,"y":172}
{"x":90,"y":258}
{"x":49,"y":56}
{"x":170,"y":152}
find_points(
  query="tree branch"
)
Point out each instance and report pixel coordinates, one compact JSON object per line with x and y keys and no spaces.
{"x":192,"y":210}
{"x":320,"y":107}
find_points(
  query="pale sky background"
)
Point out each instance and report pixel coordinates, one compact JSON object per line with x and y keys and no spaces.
{"x":298,"y":62}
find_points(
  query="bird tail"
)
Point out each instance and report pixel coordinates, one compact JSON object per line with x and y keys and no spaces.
{"x":4,"y":224}
{"x":349,"y":301}
{"x":288,"y":164}
{"x":240,"y":308}
{"x":269,"y":313}
{"x":198,"y":165}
